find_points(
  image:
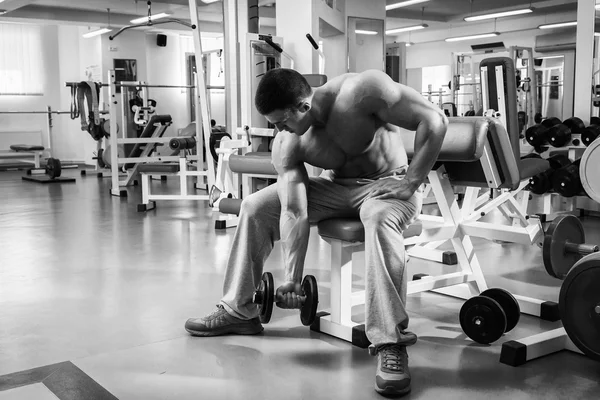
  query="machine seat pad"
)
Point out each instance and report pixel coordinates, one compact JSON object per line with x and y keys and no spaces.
{"x":532,"y":166}
{"x":26,"y":147}
{"x":158,"y":168}
{"x":352,"y":230}
{"x":252,"y":163}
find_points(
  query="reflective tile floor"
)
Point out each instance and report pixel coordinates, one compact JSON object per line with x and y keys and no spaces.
{"x":94,"y":295}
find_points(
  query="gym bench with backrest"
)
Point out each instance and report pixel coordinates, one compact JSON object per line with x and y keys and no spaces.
{"x":476,"y":152}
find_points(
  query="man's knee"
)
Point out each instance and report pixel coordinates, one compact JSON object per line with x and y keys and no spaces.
{"x":251,"y":205}
{"x":380,"y":214}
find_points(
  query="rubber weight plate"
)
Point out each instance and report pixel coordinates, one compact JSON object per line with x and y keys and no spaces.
{"x":308,"y":311}
{"x":509,"y":304}
{"x":557,"y":261}
{"x":264,"y":296}
{"x":53,"y":168}
{"x":482,"y":319}
{"x":588,"y":171}
{"x":579,"y":305}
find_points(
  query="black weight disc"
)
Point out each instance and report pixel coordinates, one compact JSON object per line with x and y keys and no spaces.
{"x":557,"y":261}
{"x":100,"y":160}
{"x":308,"y":311}
{"x":53,"y":167}
{"x":264,"y":297}
{"x":509,"y":304}
{"x":579,"y":305}
{"x":482,"y":319}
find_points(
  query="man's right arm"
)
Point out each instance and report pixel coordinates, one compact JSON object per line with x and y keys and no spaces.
{"x":292,"y":185}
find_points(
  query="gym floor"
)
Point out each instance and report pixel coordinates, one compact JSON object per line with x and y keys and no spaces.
{"x":93,"y":298}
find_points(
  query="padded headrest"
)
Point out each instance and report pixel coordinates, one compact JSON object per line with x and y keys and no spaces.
{"x":463,"y":142}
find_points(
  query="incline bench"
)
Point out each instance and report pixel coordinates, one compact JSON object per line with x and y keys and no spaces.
{"x":476,"y":152}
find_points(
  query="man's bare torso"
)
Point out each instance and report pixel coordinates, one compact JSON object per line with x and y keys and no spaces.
{"x":353,"y":142}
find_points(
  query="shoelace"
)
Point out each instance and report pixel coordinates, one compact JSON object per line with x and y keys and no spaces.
{"x":392,"y":357}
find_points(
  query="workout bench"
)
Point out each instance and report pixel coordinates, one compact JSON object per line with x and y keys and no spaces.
{"x":476,"y":152}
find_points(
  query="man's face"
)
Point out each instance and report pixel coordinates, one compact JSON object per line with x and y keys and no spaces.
{"x":291,"y":120}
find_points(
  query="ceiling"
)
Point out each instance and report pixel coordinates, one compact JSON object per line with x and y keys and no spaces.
{"x":440,"y":15}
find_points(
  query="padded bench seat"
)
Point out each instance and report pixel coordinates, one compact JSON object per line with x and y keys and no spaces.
{"x":158,"y":168}
{"x":252,"y":163}
{"x":352,"y":229}
{"x":26,"y":147}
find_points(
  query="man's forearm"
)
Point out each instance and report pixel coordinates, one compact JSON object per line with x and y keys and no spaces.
{"x":428,"y":142}
{"x":295,"y":231}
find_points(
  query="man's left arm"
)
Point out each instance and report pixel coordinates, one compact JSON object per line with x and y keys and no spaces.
{"x":404,"y":107}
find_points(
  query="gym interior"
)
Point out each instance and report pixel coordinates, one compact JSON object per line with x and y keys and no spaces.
{"x":129,"y":139}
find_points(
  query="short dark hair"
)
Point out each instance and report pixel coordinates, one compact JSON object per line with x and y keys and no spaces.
{"x":280,"y":89}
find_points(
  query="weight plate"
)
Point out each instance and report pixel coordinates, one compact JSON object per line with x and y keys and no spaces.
{"x":53,"y":167}
{"x":579,"y":305}
{"x":509,"y":304}
{"x":308,"y":311}
{"x":482,"y":319}
{"x":588,"y":170}
{"x":264,"y":297}
{"x":557,"y":261}
{"x":100,"y":159}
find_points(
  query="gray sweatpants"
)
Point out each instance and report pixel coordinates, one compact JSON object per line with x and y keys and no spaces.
{"x":384,"y":221}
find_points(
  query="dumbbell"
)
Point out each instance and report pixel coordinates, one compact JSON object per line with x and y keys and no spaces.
{"x":542,"y":182}
{"x":264,"y":296}
{"x":550,"y":122}
{"x":575,"y":124}
{"x":485,"y":318}
{"x":559,"y":135}
{"x":536,"y":135}
{"x":564,"y":244}
{"x":595,"y":121}
{"x":566,"y":180}
{"x":590,"y":134}
{"x":182,"y":143}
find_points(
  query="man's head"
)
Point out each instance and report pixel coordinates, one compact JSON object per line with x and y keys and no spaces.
{"x":283,"y":96}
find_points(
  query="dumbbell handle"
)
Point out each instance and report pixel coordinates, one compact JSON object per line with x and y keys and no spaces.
{"x":278,"y":298}
{"x":581,"y":249}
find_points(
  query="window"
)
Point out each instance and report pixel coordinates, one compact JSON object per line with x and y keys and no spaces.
{"x":21,"y":60}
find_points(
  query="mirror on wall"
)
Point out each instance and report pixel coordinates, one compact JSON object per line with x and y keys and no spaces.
{"x":366,"y":44}
{"x":549,"y":79}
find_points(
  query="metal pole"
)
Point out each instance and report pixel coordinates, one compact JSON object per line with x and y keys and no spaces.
{"x":114,"y":166}
{"x":202,"y":113}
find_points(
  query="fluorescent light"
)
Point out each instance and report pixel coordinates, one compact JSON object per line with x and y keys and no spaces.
{"x":547,"y":57}
{"x":209,"y":1}
{"x":96,"y":32}
{"x":403,"y":4}
{"x":472,"y":37}
{"x":408,"y":44}
{"x":3,"y":11}
{"x":499,"y":14}
{"x":405,"y":29}
{"x":152,"y":18}
{"x":596,"y":33}
{"x":558,"y":25}
{"x":362,"y":32}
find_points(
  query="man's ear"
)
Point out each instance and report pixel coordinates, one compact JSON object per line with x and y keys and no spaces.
{"x":304,"y":107}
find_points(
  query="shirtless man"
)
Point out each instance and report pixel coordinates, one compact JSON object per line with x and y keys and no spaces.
{"x":348,"y":127}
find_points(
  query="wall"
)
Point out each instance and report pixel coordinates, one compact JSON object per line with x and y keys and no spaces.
{"x":33,"y":122}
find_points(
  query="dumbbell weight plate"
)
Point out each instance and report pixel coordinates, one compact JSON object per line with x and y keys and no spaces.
{"x":308,"y":311}
{"x":264,"y":296}
{"x":557,"y":261}
{"x":482,"y":319}
{"x":53,"y":168}
{"x":588,"y":171}
{"x":559,"y":135}
{"x":579,"y":305}
{"x":509,"y":304}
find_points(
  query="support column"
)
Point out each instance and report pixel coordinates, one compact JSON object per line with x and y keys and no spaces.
{"x":584,"y":57}
{"x":231,"y":64}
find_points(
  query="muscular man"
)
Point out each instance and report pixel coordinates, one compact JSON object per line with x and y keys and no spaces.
{"x":348,"y":127}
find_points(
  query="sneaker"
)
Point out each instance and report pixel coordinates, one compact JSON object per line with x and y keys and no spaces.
{"x":392,"y":377}
{"x":220,"y":322}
